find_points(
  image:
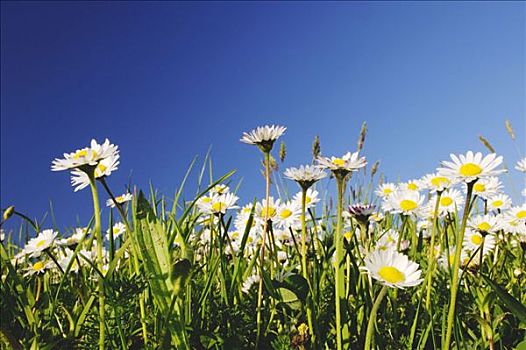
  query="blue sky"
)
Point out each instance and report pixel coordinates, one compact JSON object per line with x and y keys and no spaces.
{"x":165,"y":81}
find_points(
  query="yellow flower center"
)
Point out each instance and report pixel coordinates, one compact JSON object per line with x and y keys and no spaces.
{"x":101,"y":167}
{"x":235,"y":235}
{"x":38,"y":266}
{"x":484,"y":226}
{"x":285,"y":213}
{"x":41,"y":243}
{"x":218,"y":206}
{"x":338,"y":162}
{"x":268,"y":211}
{"x":206,"y":199}
{"x":438,"y":181}
{"x":80,"y":153}
{"x":391,"y":274}
{"x":479,"y":187}
{"x":446,"y":201}
{"x":387,"y":191}
{"x":521,"y":214}
{"x":497,"y":203}
{"x":307,"y":199}
{"x":408,"y":205}
{"x":470,"y":169}
{"x":412,"y":186}
{"x":477,"y":239}
{"x":120,"y":199}
{"x":347,"y":235}
{"x":390,"y":239}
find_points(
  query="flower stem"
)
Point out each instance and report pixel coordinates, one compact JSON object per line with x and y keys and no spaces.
{"x":372,"y":318}
{"x":98,"y":237}
{"x":339,"y":278}
{"x":456,"y":265}
{"x":304,"y":262}
{"x":259,"y":320}
{"x":431,"y":258}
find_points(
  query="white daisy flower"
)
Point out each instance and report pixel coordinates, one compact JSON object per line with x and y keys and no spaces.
{"x":511,"y":224}
{"x":39,"y":267}
{"x":388,"y":240}
{"x":499,"y":202}
{"x":118,"y":230}
{"x":521,"y":165}
{"x":471,"y":166}
{"x":203,"y":203}
{"x":80,"y":180}
{"x":311,"y":198}
{"x":450,"y":201}
{"x":518,"y":212}
{"x":487,"y":187}
{"x":435,"y":182}
{"x":305,"y":175}
{"x":411,"y":185}
{"x":263,"y":136}
{"x":484,"y":223}
{"x":65,"y":259}
{"x":392,"y":269}
{"x":386,"y":190}
{"x":268,"y":210}
{"x":251,"y":280}
{"x":43,"y":241}
{"x":74,"y":238}
{"x":288,"y":215}
{"x":88,"y":156}
{"x":404,"y":202}
{"x":220,"y":203}
{"x":219,"y":189}
{"x":474,"y":239}
{"x":123,"y":198}
{"x":342,"y":166}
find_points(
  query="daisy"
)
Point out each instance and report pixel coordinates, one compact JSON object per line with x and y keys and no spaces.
{"x":411,"y":185}
{"x":521,"y":165}
{"x":311,"y":198}
{"x":487,"y":187}
{"x":219,"y":203}
{"x":404,"y":202}
{"x":80,"y":179}
{"x":389,"y":240}
{"x":306,"y":175}
{"x":385,"y":190}
{"x":219,"y":189}
{"x":435,"y":182}
{"x":123,"y":198}
{"x":65,"y":259}
{"x":518,"y":213}
{"x":38,"y":267}
{"x":74,"y":238}
{"x":251,"y":280}
{"x":118,"y":230}
{"x":392,"y":269}
{"x":474,"y":239}
{"x":362,"y":212}
{"x":263,"y":136}
{"x":43,"y":241}
{"x":88,"y":156}
{"x":470,"y":167}
{"x":288,"y":215}
{"x":484,"y":224}
{"x":340,"y":167}
{"x":450,"y":201}
{"x":499,"y":202}
{"x":266,"y":210}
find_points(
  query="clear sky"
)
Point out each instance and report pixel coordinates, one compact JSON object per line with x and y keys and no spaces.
{"x":165,"y":81}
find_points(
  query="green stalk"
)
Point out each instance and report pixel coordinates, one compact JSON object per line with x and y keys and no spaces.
{"x":456,"y":264}
{"x":339,"y":277}
{"x":431,"y":257}
{"x":372,"y":318}
{"x":98,"y":237}
{"x":259,"y":320}
{"x":304,"y":261}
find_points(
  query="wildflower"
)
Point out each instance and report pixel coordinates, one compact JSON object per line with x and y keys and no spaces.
{"x":349,"y":162}
{"x":43,"y":241}
{"x":499,"y":202}
{"x":388,"y":241}
{"x":473,"y":240}
{"x":404,"y":202}
{"x":450,"y":201}
{"x":392,"y":269}
{"x":487,"y":187}
{"x":219,"y":189}
{"x":435,"y":182}
{"x":39,"y":267}
{"x":311,"y":198}
{"x":267,"y":210}
{"x":118,"y":230}
{"x":306,"y":175}
{"x":484,"y":223}
{"x":470,"y":167}
{"x":411,"y":185}
{"x":249,"y":282}
{"x":74,"y":238}
{"x":521,"y":165}
{"x":80,"y":179}
{"x":263,"y":136}
{"x":288,"y":215}
{"x":362,"y":212}
{"x":123,"y":198}
{"x":88,"y":156}
{"x":385,"y":190}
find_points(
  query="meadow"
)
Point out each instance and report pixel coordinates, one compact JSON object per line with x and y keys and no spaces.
{"x":333,"y":257}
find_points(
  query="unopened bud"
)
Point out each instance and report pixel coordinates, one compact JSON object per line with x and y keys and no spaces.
{"x":8,"y":212}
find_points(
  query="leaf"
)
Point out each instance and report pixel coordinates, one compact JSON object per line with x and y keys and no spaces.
{"x":507,"y":300}
{"x":289,"y":297}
